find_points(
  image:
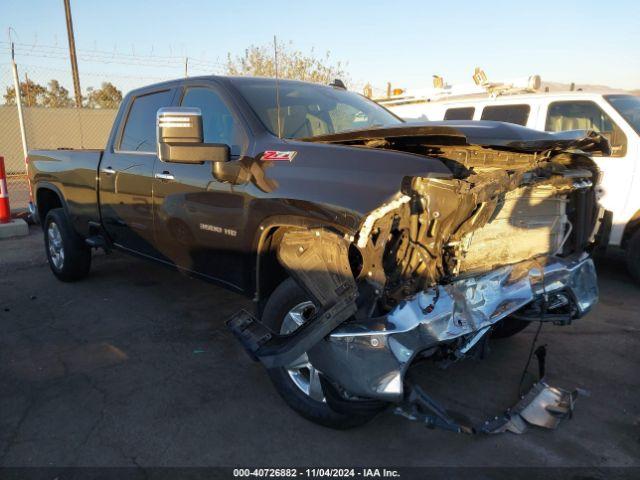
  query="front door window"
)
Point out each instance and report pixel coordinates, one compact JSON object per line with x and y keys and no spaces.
{"x":586,"y":115}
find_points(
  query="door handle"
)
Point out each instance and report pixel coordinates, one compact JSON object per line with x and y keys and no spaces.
{"x":108,"y":171}
{"x":164,"y":176}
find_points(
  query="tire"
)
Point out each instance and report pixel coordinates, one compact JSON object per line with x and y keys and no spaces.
{"x":285,"y":298}
{"x":633,"y":255}
{"x":69,"y":257}
{"x":508,"y":327}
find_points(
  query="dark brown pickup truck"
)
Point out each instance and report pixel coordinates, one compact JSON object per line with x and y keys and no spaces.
{"x":367,"y":243}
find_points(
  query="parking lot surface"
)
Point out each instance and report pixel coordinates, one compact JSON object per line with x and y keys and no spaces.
{"x":134,"y":367}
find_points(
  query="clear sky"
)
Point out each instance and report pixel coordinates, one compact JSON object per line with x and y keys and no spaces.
{"x":404,"y":42}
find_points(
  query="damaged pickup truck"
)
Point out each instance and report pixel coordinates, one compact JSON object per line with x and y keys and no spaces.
{"x":367,"y":244}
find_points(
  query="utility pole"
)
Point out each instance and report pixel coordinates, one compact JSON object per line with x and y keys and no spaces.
{"x":72,"y":55}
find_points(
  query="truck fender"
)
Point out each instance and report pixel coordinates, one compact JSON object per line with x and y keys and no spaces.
{"x":269,"y":272}
{"x":39,"y":187}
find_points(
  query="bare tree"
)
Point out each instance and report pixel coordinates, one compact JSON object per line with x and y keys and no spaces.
{"x":292,"y":63}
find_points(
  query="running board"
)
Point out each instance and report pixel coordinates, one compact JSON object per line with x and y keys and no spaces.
{"x":97,"y":241}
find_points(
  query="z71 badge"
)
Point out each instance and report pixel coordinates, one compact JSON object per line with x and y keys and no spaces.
{"x":278,"y":155}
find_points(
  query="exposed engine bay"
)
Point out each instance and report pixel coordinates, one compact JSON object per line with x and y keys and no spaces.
{"x":483,"y":218}
{"x":432,"y":270}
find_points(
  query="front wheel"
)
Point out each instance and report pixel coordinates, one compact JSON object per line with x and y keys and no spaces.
{"x":69,"y":257}
{"x":299,"y":383}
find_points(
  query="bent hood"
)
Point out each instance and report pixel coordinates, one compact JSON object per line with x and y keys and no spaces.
{"x":499,"y":135}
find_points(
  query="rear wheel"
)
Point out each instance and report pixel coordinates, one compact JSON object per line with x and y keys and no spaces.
{"x":633,"y":256}
{"x":299,"y":383}
{"x":69,"y":257}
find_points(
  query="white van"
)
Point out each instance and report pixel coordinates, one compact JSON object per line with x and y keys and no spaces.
{"x":617,"y":116}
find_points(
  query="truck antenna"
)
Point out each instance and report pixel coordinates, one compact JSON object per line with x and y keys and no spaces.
{"x":275,"y":56}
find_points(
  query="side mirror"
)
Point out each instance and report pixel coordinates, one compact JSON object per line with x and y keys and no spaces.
{"x":180,"y":137}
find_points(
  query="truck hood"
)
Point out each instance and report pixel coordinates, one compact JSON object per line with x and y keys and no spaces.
{"x":497,"y":135}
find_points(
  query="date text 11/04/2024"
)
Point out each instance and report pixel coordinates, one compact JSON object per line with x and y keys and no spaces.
{"x":316,"y":473}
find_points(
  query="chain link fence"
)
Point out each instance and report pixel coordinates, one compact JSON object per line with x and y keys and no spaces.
{"x":46,"y":90}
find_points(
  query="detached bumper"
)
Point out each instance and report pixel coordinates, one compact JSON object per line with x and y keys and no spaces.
{"x":370,"y":358}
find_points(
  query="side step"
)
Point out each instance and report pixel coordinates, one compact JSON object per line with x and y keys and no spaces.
{"x":97,"y":241}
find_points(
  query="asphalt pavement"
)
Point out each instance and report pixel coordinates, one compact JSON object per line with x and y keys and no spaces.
{"x":134,"y":367}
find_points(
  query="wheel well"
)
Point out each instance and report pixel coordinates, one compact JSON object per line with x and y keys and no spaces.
{"x":632,"y":227}
{"x":47,"y":199}
{"x":270,"y":272}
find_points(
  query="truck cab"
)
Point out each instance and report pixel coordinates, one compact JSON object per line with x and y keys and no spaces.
{"x":616,"y":116}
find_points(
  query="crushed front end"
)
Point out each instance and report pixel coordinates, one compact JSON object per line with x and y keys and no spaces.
{"x":371,"y":356}
{"x":434,"y":269}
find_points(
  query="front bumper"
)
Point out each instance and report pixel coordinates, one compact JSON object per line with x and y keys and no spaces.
{"x":369,"y":358}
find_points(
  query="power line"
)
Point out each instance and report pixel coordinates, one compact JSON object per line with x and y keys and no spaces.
{"x":86,"y":73}
{"x":102,"y":56}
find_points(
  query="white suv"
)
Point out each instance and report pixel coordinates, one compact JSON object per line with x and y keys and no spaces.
{"x":617,"y":116}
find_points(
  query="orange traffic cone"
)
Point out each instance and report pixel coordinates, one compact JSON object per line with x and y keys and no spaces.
{"x":5,"y":211}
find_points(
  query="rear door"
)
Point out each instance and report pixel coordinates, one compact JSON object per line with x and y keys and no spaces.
{"x":126,"y":175}
{"x":197,"y":217}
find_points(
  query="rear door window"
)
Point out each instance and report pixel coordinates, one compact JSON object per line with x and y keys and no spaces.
{"x":139,"y":133}
{"x":461,"y":113}
{"x":518,"y":114}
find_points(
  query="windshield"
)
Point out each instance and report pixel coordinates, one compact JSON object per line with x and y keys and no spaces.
{"x":308,"y":110}
{"x":629,"y":107}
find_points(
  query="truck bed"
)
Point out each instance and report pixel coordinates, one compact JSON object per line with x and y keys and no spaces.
{"x":73,"y":173}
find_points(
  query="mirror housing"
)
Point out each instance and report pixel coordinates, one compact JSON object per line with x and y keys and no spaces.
{"x":180,"y":137}
{"x":234,"y":173}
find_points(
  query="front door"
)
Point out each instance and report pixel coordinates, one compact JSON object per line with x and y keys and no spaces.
{"x":197,"y":217}
{"x":126,"y":177}
{"x":617,"y":169}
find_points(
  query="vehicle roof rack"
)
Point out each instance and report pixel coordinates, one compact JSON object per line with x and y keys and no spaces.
{"x":481,"y":86}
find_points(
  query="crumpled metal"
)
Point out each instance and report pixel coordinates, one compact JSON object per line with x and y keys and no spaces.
{"x":369,"y":358}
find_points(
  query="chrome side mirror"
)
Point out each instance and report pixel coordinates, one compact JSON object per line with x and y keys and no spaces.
{"x":180,"y":137}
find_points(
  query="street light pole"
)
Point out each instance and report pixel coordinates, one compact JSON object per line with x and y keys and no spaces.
{"x":72,"y":55}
